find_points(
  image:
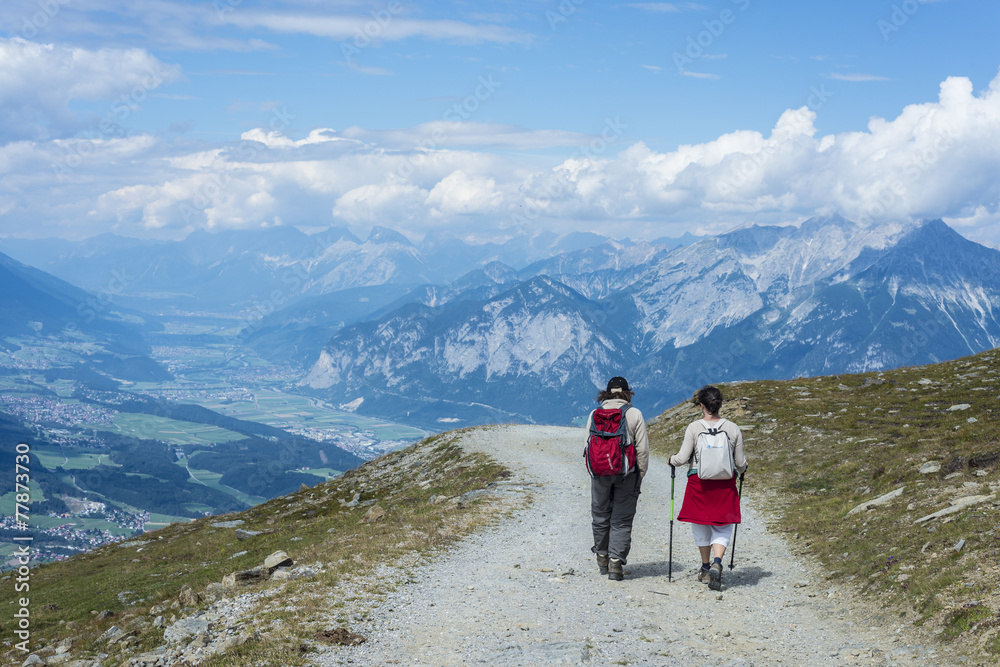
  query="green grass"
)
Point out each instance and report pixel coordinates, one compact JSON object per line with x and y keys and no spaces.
{"x":74,"y":458}
{"x":209,"y":478}
{"x":173,"y":431}
{"x":822,"y":446}
{"x":65,"y":594}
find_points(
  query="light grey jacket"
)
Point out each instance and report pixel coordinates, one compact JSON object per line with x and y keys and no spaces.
{"x":636,"y":429}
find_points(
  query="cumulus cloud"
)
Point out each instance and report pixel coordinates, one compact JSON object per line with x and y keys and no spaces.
{"x":934,"y":159}
{"x":38,"y":82}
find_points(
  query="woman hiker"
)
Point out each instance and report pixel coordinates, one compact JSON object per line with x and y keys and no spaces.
{"x":711,"y":506}
{"x":613,"y":497}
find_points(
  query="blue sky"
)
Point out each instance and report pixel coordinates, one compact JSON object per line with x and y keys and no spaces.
{"x":647,"y":118}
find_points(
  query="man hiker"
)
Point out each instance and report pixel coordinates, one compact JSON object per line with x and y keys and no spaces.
{"x":617,"y":456}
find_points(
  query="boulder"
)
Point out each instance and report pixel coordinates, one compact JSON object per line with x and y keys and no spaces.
{"x":242,"y":534}
{"x":188,"y":597}
{"x":276,"y":560}
{"x":881,"y":500}
{"x":375,"y":513}
{"x":244,"y":578}
{"x":185,"y":628}
{"x":957,"y":505}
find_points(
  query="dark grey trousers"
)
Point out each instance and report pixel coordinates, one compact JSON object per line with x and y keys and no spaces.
{"x":612,"y":506}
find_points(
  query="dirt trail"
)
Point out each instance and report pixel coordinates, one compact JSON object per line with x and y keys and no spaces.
{"x":528,"y":592}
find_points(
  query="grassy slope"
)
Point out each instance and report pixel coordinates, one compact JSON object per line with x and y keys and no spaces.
{"x":819,"y":447}
{"x":64,"y":596}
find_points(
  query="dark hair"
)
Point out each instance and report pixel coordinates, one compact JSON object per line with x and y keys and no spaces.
{"x":710,"y":397}
{"x":621,"y":393}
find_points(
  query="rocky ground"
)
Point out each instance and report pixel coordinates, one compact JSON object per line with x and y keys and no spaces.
{"x":527,"y":592}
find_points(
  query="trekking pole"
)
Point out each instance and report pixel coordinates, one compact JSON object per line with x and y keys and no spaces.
{"x":739,"y":493}
{"x":670,"y":557}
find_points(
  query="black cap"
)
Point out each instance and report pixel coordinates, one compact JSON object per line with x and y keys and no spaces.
{"x":617,"y":382}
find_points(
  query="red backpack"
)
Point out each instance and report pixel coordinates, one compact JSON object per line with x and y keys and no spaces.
{"x":610,"y":450}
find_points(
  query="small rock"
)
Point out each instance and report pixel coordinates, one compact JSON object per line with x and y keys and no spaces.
{"x":719,"y":596}
{"x":925,"y":382}
{"x":188,"y":597}
{"x":33,"y":660}
{"x":960,"y":545}
{"x":374,"y":514}
{"x":981,"y":473}
{"x":107,"y":613}
{"x":930,"y":467}
{"x":158,"y":622}
{"x":109,"y":634}
{"x":902,"y":577}
{"x":242,"y":534}
{"x":341,"y":636}
{"x":276,"y":560}
{"x":231,"y":643}
{"x":228,"y":524}
{"x":238,"y":554}
{"x":244,"y":578}
{"x":800,"y":584}
{"x":972,"y":420}
{"x":184,"y":628}
{"x":960,"y":406}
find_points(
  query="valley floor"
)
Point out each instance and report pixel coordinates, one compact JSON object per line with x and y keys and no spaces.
{"x":527,"y":592}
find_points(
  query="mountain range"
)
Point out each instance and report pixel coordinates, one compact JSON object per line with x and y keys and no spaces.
{"x":449,"y":331}
{"x":826,"y":297}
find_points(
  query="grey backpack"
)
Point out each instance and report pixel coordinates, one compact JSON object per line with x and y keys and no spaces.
{"x":715,"y":456}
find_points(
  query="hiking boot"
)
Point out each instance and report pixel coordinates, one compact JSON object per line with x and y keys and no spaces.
{"x":703,"y":576}
{"x":715,"y":577}
{"x":616,"y":570}
{"x":602,"y":563}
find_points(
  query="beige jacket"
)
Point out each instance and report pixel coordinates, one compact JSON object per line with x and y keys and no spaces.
{"x":689,"y":454}
{"x":636,"y":429}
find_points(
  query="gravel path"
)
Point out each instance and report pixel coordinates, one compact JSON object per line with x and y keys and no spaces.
{"x":527,"y":592}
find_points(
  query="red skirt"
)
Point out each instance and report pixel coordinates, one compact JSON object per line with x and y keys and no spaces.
{"x":710,"y":502}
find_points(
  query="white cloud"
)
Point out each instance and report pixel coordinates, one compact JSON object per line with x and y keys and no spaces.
{"x":665,"y":7}
{"x":858,"y":77}
{"x":701,"y":75}
{"x":391,"y":28}
{"x":934,"y":159}
{"x":39,"y":81}
{"x":444,"y":133}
